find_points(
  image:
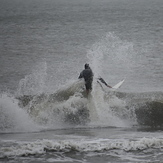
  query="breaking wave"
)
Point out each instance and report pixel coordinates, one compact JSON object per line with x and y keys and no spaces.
{"x":12,"y":117}
{"x":70,"y":106}
{"x":37,"y":104}
{"x":93,"y":145}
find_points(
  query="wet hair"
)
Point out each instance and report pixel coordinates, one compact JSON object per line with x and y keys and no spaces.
{"x":86,"y":65}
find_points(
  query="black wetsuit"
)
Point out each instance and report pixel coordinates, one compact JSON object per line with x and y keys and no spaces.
{"x":87,"y":74}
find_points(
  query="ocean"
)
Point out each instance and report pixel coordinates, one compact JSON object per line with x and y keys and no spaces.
{"x":45,"y":114}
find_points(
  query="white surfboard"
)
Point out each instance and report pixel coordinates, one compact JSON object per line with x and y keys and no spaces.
{"x":118,"y":85}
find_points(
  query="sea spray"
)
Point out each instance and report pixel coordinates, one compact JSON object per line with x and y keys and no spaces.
{"x":91,"y":106}
{"x":14,"y":118}
{"x":106,"y":115}
{"x":34,"y":83}
{"x":110,"y":49}
{"x":112,"y":58}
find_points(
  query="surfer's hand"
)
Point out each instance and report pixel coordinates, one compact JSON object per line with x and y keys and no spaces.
{"x":109,"y":86}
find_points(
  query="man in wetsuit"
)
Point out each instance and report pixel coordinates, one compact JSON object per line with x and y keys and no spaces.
{"x":87,"y":74}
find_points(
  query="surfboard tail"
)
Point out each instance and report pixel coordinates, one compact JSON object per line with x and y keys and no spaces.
{"x":118,"y":85}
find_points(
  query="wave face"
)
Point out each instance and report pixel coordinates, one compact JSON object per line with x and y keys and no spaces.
{"x":147,"y":107}
{"x":150,"y":114}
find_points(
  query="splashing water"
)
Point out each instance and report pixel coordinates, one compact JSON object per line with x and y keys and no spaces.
{"x":110,"y":49}
{"x":12,"y":117}
{"x":68,"y":104}
{"x":35,"y":82}
{"x":112,"y":58}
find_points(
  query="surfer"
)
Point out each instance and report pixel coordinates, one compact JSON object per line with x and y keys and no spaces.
{"x":87,"y":74}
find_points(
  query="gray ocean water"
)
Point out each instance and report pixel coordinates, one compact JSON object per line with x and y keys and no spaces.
{"x":45,"y":115}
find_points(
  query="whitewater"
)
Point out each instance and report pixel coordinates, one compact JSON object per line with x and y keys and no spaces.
{"x":45,"y":114}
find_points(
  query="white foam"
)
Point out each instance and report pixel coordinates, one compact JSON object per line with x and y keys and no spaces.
{"x":84,"y":145}
{"x":12,"y":117}
{"x":102,"y":112}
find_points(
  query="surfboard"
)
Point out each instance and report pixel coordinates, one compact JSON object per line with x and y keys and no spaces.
{"x":118,"y":85}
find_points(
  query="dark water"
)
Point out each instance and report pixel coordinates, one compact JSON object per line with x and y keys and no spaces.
{"x":44,"y":114}
{"x":127,"y":35}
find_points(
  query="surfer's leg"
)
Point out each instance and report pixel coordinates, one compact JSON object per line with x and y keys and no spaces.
{"x":88,"y":86}
{"x":87,"y":91}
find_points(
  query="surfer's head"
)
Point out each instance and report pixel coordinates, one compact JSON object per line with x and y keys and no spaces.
{"x":86,"y":66}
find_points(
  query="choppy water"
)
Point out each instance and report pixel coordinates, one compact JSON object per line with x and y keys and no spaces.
{"x":45,"y":115}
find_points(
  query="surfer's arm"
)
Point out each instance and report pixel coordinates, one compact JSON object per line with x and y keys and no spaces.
{"x":103,"y":81}
{"x":81,"y":75}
